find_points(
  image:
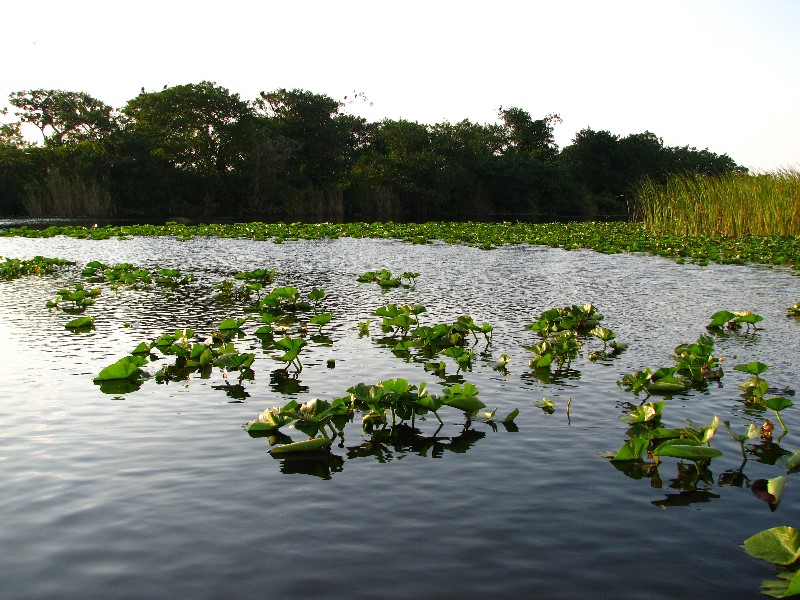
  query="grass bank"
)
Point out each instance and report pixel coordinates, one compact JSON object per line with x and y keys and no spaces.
{"x":730,"y":205}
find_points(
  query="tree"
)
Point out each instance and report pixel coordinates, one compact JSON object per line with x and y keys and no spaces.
{"x":64,"y":117}
{"x":324,"y":142}
{"x":193,"y":127}
{"x":525,"y":136}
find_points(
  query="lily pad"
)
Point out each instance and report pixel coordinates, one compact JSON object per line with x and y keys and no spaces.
{"x":778,"y":545}
{"x":314,"y":444}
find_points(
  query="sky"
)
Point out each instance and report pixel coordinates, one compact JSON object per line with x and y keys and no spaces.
{"x":716,"y":74}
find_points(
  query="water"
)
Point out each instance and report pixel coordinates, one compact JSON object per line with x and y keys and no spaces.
{"x":161,"y":493}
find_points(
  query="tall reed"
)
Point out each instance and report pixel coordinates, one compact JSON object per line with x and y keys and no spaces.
{"x":63,"y":196}
{"x":730,"y":205}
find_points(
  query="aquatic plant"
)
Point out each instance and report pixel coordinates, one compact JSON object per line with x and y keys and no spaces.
{"x":76,"y":299}
{"x":752,"y":432}
{"x":794,"y":310}
{"x":578,"y":318}
{"x":12,"y":268}
{"x":81,"y":324}
{"x":779,"y":546}
{"x":291,"y":348}
{"x":697,"y":362}
{"x":398,"y":320}
{"x":734,"y":205}
{"x":382,"y":404}
{"x":602,"y":237}
{"x":385,"y":279}
{"x":734,"y":320}
{"x":117,"y":275}
{"x":560,"y":348}
{"x":172,"y":277}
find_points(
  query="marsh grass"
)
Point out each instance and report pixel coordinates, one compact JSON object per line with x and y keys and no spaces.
{"x":65,"y":196}
{"x":731,"y":205}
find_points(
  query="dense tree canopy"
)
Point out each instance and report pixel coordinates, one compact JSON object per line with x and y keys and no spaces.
{"x":199,"y":150}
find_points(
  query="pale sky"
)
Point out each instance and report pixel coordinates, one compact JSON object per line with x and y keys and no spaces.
{"x":716,"y":74}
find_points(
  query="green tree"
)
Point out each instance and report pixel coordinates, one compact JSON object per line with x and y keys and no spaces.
{"x":64,"y":117}
{"x":193,"y":126}
{"x":318,"y":141}
{"x":524,"y":135}
{"x":182,"y":145}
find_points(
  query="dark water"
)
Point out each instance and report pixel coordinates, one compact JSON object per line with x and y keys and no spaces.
{"x":161,"y":493}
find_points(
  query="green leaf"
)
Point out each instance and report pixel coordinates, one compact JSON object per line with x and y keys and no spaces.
{"x":718,"y":319}
{"x":321,"y":320}
{"x":753,"y":368}
{"x":126,"y":367}
{"x":631,"y":449}
{"x":778,"y":545}
{"x":142,"y":348}
{"x":778,"y":403}
{"x":789,"y":461}
{"x":775,"y":487}
{"x":81,"y":323}
{"x":231,"y":324}
{"x":787,"y":585}
{"x":688,"y":449}
{"x":269,"y":420}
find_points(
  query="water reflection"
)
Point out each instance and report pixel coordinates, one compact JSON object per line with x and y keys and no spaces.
{"x":383,"y":445}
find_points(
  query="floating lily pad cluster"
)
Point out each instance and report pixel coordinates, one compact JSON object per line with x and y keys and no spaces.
{"x":386,"y":402}
{"x":695,"y":365}
{"x":116,"y":275}
{"x":794,"y":310}
{"x":563,"y":331}
{"x":734,"y":320}
{"x":74,"y":300}
{"x":385,"y":279}
{"x":191,"y":356}
{"x":405,"y":334}
{"x":12,"y":268}
{"x":251,"y":284}
{"x":602,"y":237}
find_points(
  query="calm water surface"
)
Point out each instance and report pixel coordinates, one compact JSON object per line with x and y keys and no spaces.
{"x":161,"y":493}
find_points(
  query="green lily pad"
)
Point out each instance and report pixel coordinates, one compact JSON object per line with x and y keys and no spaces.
{"x":127,"y":367}
{"x":688,"y":449}
{"x":787,"y":585}
{"x":778,"y":545}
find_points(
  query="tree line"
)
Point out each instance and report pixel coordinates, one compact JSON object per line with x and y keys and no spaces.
{"x":198,"y":150}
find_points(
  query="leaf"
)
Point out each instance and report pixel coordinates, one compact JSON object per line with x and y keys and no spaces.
{"x":688,"y":449}
{"x":231,"y":324}
{"x":775,"y":487}
{"x":125,"y":368}
{"x":509,"y":418}
{"x":778,"y":403}
{"x":753,"y":368}
{"x":321,"y":320}
{"x":142,"y":348}
{"x":320,"y":443}
{"x":631,"y":449}
{"x":787,"y":585}
{"x":778,"y":545}
{"x":81,"y":323}
{"x":789,"y":461}
{"x":718,"y":319}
